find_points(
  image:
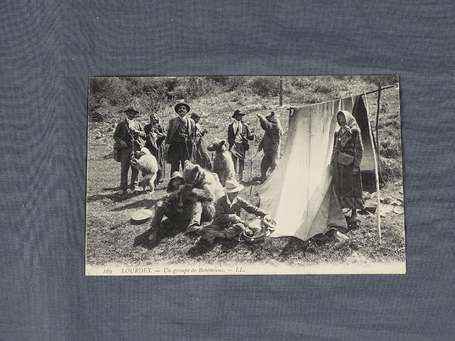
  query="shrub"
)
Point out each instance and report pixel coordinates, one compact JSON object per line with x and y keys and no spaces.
{"x":265,"y":86}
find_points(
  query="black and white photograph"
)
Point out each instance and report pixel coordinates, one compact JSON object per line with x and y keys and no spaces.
{"x":244,"y":175}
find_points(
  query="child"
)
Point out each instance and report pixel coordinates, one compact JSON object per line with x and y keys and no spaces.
{"x":227,"y":222}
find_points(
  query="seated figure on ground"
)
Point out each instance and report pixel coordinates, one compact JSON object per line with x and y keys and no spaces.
{"x":191,"y":200}
{"x":185,"y":208}
{"x":227,"y":222}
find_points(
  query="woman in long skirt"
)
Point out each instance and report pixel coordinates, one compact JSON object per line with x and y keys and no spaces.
{"x":346,"y":159}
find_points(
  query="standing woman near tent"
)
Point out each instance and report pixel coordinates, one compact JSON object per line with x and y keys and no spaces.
{"x":346,"y":159}
{"x":270,"y":143}
{"x":201,"y":154}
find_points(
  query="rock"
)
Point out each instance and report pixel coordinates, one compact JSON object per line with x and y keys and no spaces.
{"x":385,"y":210}
{"x":397,"y":202}
{"x":370,"y":208}
{"x":386,"y":200}
{"x":398,"y":210}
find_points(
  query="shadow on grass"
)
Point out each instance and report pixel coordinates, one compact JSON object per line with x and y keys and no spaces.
{"x":293,"y":246}
{"x":203,"y":246}
{"x":167,"y":230}
{"x":115,"y":197}
{"x":144,"y":203}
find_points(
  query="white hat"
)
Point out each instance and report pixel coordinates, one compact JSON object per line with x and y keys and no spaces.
{"x":232,"y":186}
{"x":141,"y":215}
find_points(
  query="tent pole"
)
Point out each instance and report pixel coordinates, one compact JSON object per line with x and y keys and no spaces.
{"x":281,"y":91}
{"x":377,"y":119}
{"x":378,"y":196}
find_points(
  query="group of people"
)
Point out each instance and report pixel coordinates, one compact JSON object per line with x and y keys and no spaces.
{"x":185,"y":140}
{"x":197,"y":203}
{"x":195,"y":196}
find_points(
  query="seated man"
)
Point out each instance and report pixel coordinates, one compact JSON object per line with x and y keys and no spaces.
{"x":184,"y":208}
{"x":227,"y":222}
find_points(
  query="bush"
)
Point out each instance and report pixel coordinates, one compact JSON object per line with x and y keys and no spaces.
{"x":265,"y":86}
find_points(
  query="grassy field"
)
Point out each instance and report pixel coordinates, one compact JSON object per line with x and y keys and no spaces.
{"x":110,"y":234}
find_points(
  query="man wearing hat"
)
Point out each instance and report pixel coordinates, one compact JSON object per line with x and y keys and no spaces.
{"x":270,"y":143}
{"x":154,"y":137}
{"x":227,"y":222}
{"x":180,"y":136}
{"x":238,"y":136}
{"x":128,"y":136}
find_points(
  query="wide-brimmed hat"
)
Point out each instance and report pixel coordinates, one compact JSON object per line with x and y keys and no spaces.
{"x":131,"y":109}
{"x":141,"y":215}
{"x":181,"y":103}
{"x":232,"y":186}
{"x":238,"y":113}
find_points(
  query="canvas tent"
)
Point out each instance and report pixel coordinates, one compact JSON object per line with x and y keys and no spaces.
{"x":299,"y":194}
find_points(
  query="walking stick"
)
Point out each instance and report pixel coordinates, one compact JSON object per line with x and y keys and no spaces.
{"x":251,"y":177}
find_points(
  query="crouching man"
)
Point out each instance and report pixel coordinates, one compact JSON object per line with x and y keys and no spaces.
{"x":185,"y":208}
{"x":227,"y":222}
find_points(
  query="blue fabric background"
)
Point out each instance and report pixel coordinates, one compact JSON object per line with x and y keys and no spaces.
{"x":48,"y":49}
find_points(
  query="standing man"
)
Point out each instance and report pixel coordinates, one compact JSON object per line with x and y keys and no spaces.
{"x":238,"y":136}
{"x":179,"y":138}
{"x":128,"y":136}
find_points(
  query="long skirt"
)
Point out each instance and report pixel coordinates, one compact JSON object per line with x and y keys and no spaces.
{"x":348,"y":187}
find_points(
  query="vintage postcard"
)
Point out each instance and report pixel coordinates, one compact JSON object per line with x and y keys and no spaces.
{"x":241,"y":175}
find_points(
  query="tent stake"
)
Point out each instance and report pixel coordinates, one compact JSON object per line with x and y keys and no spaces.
{"x":378,"y":194}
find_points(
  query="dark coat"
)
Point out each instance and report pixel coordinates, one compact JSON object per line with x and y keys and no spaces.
{"x":348,"y":185}
{"x":122,"y":134}
{"x":246,"y":135}
{"x":173,"y":126}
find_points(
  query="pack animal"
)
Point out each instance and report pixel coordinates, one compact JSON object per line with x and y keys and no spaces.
{"x":222,"y":164}
{"x":146,"y":163}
